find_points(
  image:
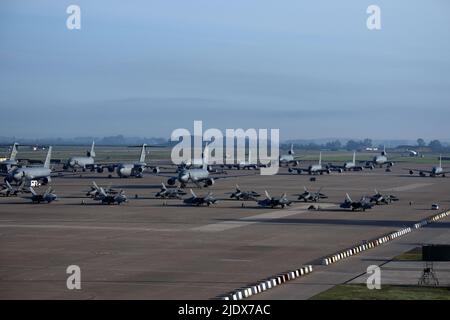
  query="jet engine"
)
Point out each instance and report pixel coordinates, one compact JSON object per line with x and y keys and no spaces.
{"x":139,"y":169}
{"x":209,"y":182}
{"x":171,"y":181}
{"x":155,"y":170}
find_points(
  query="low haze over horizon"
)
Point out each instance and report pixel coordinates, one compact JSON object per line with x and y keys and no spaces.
{"x":312,"y":69}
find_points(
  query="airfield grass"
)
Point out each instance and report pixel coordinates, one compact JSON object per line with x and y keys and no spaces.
{"x":387,"y":292}
{"x":103,"y":154}
{"x":341,"y":157}
{"x":124,"y":153}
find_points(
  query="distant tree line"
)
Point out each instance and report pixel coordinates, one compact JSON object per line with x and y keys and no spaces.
{"x":108,"y":140}
{"x":358,"y":145}
{"x":335,"y":145}
{"x":433,"y":145}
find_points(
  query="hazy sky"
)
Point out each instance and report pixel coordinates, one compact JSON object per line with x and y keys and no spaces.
{"x":144,"y":68}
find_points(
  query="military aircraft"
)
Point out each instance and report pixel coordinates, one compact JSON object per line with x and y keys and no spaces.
{"x":94,"y":191}
{"x":289,"y":158}
{"x":311,"y":196}
{"x":169,"y":193}
{"x":244,"y":195}
{"x":42,"y":173}
{"x":8,"y":190}
{"x":434,"y":172}
{"x":11,"y":161}
{"x":413,"y":153}
{"x":249,"y":165}
{"x":125,"y":170}
{"x":378,"y":198}
{"x":196,"y":176}
{"x":273,"y":202}
{"x":362,"y":204}
{"x":48,"y":196}
{"x":87,"y":162}
{"x":111,"y":198}
{"x":348,"y":166}
{"x":197,"y":163}
{"x":241,"y":165}
{"x":194,"y":200}
{"x":379,"y":161}
{"x":312,"y":169}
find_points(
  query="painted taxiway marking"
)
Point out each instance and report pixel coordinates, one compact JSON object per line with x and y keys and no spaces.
{"x":78,"y":227}
{"x":236,"y":260}
{"x":410,"y":187}
{"x":259,"y":218}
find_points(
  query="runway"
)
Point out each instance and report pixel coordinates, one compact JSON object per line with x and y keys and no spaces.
{"x":147,"y":250}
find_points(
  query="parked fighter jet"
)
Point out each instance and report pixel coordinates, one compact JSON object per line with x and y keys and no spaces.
{"x":94,"y":191}
{"x":125,"y":170}
{"x":111,"y":198}
{"x":312,"y":169}
{"x":434,"y":172}
{"x":48,"y":196}
{"x":379,"y":161}
{"x":287,"y":159}
{"x":8,"y":190}
{"x":273,"y":202}
{"x":378,"y":198}
{"x":244,"y":195}
{"x":42,"y":173}
{"x":198,"y":201}
{"x":169,"y":193}
{"x":83,"y":163}
{"x":311,"y":196}
{"x":362,"y":204}
{"x":348,"y":166}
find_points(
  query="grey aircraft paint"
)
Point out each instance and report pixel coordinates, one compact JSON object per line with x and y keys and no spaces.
{"x":434,"y":172}
{"x":82,"y":162}
{"x":32,"y":173}
{"x":7,"y":164}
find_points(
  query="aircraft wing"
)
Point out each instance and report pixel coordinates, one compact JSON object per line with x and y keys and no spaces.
{"x":65,"y":173}
{"x":106,"y":164}
{"x":417,"y":170}
{"x":335,"y":166}
{"x":161,"y":167}
{"x":297,"y":169}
